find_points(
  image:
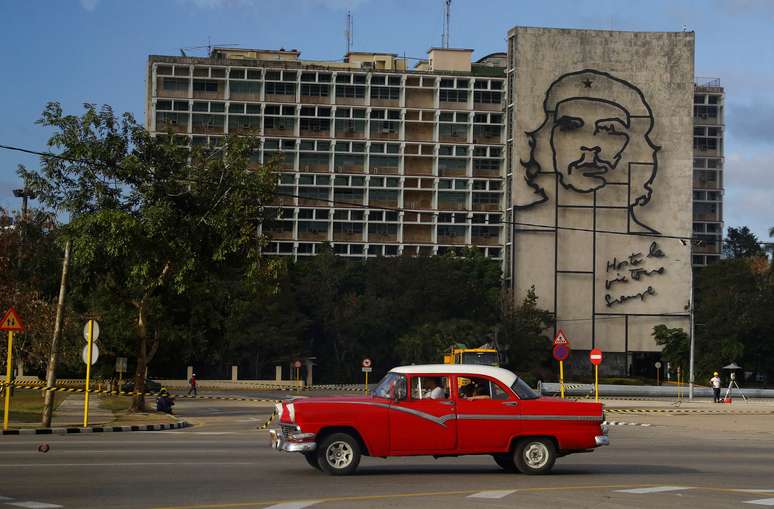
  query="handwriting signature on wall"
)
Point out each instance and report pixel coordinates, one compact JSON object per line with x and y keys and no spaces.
{"x":631,"y":270}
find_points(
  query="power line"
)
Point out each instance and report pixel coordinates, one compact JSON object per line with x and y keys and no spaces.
{"x":539,"y":227}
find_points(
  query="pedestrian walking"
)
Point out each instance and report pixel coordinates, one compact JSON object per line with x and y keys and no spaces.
{"x":192,"y":384}
{"x":715,"y":382}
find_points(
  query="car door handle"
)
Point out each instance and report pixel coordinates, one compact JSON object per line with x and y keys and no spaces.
{"x":511,"y":403}
{"x":448,"y":403}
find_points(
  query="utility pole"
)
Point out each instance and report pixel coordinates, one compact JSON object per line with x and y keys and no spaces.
{"x":348,"y":32}
{"x":48,"y":404}
{"x":693,"y":329}
{"x":446,"y":16}
{"x":25,"y":194}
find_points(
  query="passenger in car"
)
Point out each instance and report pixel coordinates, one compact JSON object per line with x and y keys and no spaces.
{"x":434,"y":389}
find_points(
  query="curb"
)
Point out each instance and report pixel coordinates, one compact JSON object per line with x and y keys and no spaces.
{"x":97,"y":429}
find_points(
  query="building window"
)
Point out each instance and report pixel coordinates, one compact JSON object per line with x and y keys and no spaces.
{"x":455,"y":96}
{"x":205,"y":86}
{"x":385,"y":93}
{"x":175,"y":85}
{"x":279,"y":88}
{"x":313,"y":90}
{"x":350,"y":91}
{"x":487,"y":97}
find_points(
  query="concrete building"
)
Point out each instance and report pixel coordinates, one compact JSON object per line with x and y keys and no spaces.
{"x":375,"y":157}
{"x":708,"y":160}
{"x":599,"y":165}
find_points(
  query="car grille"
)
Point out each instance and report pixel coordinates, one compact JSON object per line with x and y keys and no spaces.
{"x":287,"y":429}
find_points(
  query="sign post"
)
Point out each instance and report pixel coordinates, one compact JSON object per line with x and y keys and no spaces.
{"x":595,"y":356}
{"x":90,"y":334}
{"x":658,"y":372}
{"x":11,"y":323}
{"x":367,"y":368}
{"x":121,"y":369}
{"x":297,"y":366}
{"x":561,"y":352}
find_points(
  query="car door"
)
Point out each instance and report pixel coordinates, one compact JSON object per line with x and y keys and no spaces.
{"x":488,"y":416}
{"x":421,"y":423}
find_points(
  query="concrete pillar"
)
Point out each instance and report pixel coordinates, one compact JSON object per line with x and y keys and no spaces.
{"x":188,"y":373}
{"x":278,"y":373}
{"x":309,"y":365}
{"x":234,"y":372}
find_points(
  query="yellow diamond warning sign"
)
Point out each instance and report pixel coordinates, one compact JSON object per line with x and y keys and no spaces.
{"x":11,"y":321}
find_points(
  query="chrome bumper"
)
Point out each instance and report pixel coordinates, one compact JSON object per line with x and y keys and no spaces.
{"x":280,"y":443}
{"x":602,"y":440}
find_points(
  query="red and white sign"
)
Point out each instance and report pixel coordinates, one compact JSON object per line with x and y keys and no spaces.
{"x":560,"y":338}
{"x":367,"y":363}
{"x":11,"y":322}
{"x":595,"y":356}
{"x":561,"y":352}
{"x":297,"y":364}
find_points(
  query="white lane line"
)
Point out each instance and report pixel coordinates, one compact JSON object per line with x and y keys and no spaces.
{"x":762,"y":501}
{"x":33,"y":505}
{"x":655,"y":489}
{"x":492,"y":494}
{"x":754,"y":491}
{"x":5,"y":499}
{"x":294,"y":505}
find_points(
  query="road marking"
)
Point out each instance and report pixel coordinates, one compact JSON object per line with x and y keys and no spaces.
{"x":33,"y":505}
{"x":294,"y":505}
{"x":754,"y":491}
{"x":133,"y":464}
{"x":762,"y":501}
{"x":395,"y":496}
{"x":492,"y":494}
{"x":655,"y":489}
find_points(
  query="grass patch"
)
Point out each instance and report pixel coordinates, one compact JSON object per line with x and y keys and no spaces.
{"x":115,"y":404}
{"x":27,"y":406}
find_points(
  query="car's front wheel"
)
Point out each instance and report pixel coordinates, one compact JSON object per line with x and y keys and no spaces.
{"x":535,"y":456}
{"x":338,"y":454}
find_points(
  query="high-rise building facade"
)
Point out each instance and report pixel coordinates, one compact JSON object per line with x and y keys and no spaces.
{"x":373,"y":157}
{"x":708,"y":160}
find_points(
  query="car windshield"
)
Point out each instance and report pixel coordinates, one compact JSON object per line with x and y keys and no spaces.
{"x":384,"y":388}
{"x":480,"y":358}
{"x":522,"y":390}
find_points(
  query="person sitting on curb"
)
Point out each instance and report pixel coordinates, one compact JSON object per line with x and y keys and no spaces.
{"x":164,"y":402}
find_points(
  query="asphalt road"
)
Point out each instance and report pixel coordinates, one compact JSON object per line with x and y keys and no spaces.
{"x":224,"y":462}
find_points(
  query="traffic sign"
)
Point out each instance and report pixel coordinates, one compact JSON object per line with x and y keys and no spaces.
{"x":596,"y":356}
{"x":367,"y":370}
{"x":560,"y":338}
{"x":94,"y":354}
{"x":658,"y":364}
{"x":561,"y":352}
{"x":367,"y":363}
{"x":94,"y":331}
{"x":11,"y":322}
{"x":297,"y":364}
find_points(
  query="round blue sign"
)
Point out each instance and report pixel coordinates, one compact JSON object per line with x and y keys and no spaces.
{"x":561,"y":352}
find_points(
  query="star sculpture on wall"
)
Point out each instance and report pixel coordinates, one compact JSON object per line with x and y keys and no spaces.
{"x":587,"y":83}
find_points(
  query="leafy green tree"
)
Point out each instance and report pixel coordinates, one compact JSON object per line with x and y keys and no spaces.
{"x":742,"y":243}
{"x":676,"y":345}
{"x":522,"y":335}
{"x":429,"y":342}
{"x":149,"y":216}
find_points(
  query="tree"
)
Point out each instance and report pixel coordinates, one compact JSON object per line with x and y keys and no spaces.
{"x":522,"y":334}
{"x":742,"y":243}
{"x":149,"y":216}
{"x":676,"y":343}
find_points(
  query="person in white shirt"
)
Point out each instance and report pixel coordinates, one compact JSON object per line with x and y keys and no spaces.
{"x":715,"y":382}
{"x":435,"y":390}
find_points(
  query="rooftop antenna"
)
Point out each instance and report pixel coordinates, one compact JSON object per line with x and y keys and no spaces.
{"x":348,"y":31}
{"x":446,"y":14}
{"x":209,"y":46}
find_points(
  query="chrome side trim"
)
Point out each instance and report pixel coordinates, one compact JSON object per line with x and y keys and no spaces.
{"x":602,"y":440}
{"x":441,"y":421}
{"x":506,"y":417}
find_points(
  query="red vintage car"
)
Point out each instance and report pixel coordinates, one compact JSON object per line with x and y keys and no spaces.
{"x":440,"y":410}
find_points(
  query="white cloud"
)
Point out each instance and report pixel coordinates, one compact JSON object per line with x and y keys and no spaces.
{"x":89,"y":5}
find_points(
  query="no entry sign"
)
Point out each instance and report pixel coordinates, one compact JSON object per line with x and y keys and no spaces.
{"x":595,"y":356}
{"x":561,"y":352}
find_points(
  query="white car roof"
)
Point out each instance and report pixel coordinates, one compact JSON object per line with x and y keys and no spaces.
{"x":503,"y":375}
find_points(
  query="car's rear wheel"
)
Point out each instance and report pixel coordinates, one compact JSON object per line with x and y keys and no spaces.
{"x":505,"y":461}
{"x":311,"y":458}
{"x":535,"y":456}
{"x":338,"y":454}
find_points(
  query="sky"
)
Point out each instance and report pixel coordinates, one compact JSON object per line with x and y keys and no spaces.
{"x":77,"y":51}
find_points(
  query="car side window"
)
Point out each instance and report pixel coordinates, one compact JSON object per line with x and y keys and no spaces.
{"x":479,"y":388}
{"x":430,"y":387}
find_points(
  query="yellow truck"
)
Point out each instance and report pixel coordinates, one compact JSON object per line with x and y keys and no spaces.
{"x":485,"y":355}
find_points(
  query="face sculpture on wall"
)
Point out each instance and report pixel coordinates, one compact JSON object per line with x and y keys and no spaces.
{"x":595,"y":134}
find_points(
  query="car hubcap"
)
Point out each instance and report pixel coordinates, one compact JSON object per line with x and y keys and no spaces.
{"x":536,"y":455}
{"x":339,"y":454}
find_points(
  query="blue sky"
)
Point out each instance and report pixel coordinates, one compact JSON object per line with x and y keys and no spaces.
{"x":76,"y":51}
